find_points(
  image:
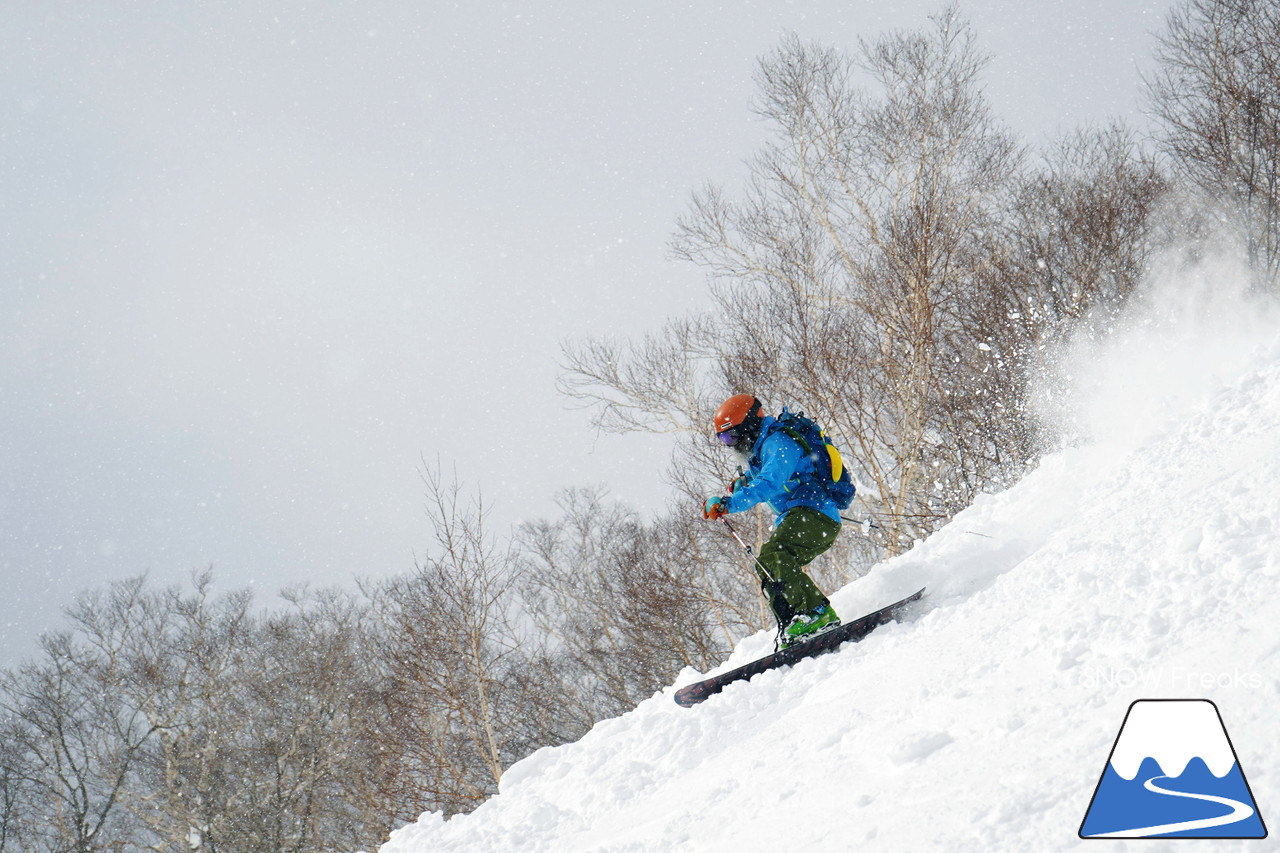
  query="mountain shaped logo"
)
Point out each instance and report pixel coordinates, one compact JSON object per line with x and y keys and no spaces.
{"x":1173,"y":773}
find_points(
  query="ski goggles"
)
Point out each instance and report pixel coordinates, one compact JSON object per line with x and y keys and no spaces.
{"x":729,"y":437}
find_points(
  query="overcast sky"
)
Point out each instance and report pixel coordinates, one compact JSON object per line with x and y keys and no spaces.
{"x":259,"y":259}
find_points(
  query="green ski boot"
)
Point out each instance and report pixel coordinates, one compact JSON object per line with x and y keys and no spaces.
{"x":808,"y":625}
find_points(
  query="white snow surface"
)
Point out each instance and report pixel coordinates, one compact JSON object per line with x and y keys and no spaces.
{"x":1143,"y":563}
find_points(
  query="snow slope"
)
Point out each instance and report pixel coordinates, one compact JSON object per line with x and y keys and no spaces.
{"x":1142,"y":564}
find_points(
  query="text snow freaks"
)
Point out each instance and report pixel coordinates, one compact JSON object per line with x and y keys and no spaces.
{"x":1168,"y":678}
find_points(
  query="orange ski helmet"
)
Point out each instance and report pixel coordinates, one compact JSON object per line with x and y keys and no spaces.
{"x":737,"y":421}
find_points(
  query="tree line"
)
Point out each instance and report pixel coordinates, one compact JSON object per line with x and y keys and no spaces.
{"x":179,"y":718}
{"x":895,"y":262}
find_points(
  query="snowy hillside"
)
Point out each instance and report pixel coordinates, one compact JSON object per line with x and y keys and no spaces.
{"x":1144,"y":564}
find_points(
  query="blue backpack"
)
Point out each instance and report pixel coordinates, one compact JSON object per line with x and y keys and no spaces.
{"x":828,"y":466}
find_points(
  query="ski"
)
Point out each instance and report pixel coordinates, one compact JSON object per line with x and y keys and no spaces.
{"x":846,"y":632}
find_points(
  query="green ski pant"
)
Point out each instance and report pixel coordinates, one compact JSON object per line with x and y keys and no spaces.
{"x":801,"y":535}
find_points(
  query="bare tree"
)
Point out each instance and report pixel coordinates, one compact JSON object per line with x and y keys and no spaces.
{"x":449,"y":646}
{"x":13,"y":782}
{"x":627,"y":604}
{"x":1077,"y":243}
{"x":187,"y":669}
{"x":77,"y":746}
{"x":1217,"y":93}
{"x":296,"y":776}
{"x":845,"y":276}
{"x":180,"y":721}
{"x":657,"y":385}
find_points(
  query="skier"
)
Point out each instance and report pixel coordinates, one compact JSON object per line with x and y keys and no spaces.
{"x":783,"y":471}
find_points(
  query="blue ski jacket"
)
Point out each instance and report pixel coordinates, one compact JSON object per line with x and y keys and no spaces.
{"x":780,"y":474}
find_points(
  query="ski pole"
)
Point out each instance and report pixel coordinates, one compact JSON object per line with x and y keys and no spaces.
{"x":873,"y":526}
{"x":768,"y":574}
{"x":770,"y":580}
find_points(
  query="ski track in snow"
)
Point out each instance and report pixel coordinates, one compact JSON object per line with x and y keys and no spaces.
{"x":1109,"y":574}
